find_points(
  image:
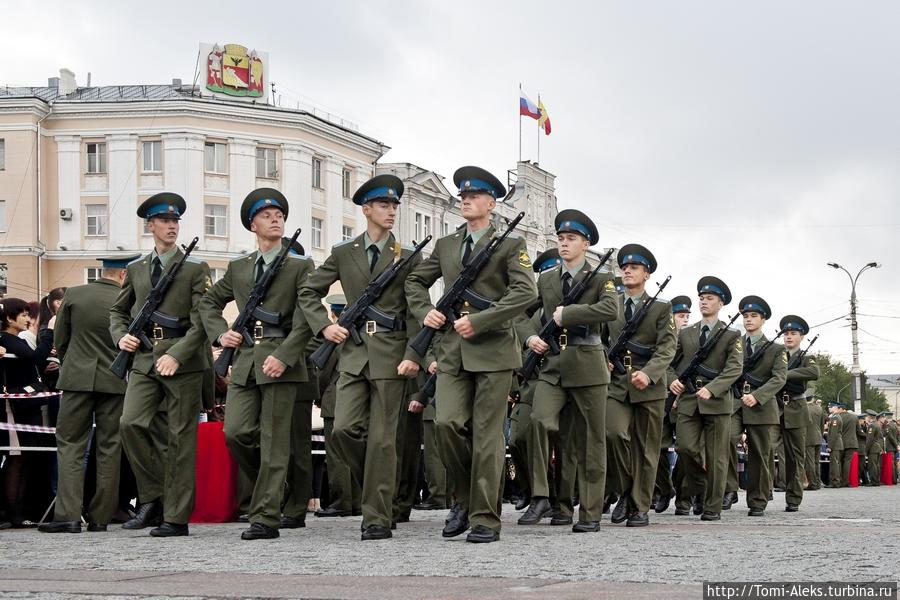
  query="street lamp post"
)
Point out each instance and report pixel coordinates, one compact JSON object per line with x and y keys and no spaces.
{"x":854,"y":369}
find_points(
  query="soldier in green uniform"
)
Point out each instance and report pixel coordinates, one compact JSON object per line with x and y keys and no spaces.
{"x":704,"y":417}
{"x":409,"y":448}
{"x":167,"y":377}
{"x":265,"y":376}
{"x":435,"y":472}
{"x":835,"y":439}
{"x":636,"y":406}
{"x":476,"y":355}
{"x":815,"y":425}
{"x":579,"y":375}
{"x":891,"y":440}
{"x":874,"y":447}
{"x":756,"y":411}
{"x":849,"y":427}
{"x":92,"y":395}
{"x":373,"y":374}
{"x":861,"y":434}
{"x":795,"y":413}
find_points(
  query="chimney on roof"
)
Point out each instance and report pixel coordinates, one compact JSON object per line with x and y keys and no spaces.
{"x":53,"y":82}
{"x":67,"y":83}
{"x":176,"y":82}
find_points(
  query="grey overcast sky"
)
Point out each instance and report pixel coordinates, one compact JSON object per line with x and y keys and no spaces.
{"x":755,"y":141}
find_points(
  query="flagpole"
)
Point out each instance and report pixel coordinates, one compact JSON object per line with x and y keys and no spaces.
{"x":539,"y":133}
{"x":520,"y":124}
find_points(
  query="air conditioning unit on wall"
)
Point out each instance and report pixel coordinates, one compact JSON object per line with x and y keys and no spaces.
{"x":65,"y":214}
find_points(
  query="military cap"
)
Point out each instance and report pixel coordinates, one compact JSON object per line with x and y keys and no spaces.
{"x":259,"y":199}
{"x":835,"y":403}
{"x":755,"y":304}
{"x":117,"y":262}
{"x":337,"y":302}
{"x":476,"y":179}
{"x":167,"y":205}
{"x":860,"y":416}
{"x":296,"y":247}
{"x":381,"y":187}
{"x":871,"y":413}
{"x":547,"y":259}
{"x":631,"y":254}
{"x":888,"y":413}
{"x":620,"y":286}
{"x":714,"y":285}
{"x":575,"y":221}
{"x":681,"y":304}
{"x":794,"y":323}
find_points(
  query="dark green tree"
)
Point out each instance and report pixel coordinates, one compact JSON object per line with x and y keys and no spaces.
{"x":835,"y":378}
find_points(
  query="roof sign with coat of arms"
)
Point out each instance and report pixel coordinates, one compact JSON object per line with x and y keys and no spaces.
{"x":233,"y":71}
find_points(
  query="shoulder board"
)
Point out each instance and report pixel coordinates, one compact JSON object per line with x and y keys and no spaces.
{"x":512,"y":236}
{"x":734,"y":329}
{"x":242,"y":257}
{"x":409,"y":248}
{"x":464,"y":223}
{"x":196,"y":261}
{"x":344,"y":243}
{"x":137,"y":260}
{"x":298,"y":257}
{"x":694,"y":325}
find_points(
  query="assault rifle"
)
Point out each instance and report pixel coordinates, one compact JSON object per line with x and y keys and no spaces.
{"x":696,"y":367}
{"x":622,"y":349}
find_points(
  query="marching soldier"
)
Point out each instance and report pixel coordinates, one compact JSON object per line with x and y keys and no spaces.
{"x":92,"y":396}
{"x":578,"y":376}
{"x":835,"y":444}
{"x":264,"y":377}
{"x":874,"y":447}
{"x":756,"y":411}
{"x":167,"y":377}
{"x":373,"y":374}
{"x":795,"y":417}
{"x":476,"y":355}
{"x":815,"y":425}
{"x":636,"y":405}
{"x":704,"y":417}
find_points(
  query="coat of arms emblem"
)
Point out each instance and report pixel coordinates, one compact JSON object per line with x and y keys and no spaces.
{"x":234,"y":72}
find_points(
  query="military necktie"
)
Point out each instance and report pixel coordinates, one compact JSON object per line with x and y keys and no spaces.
{"x":375,"y":255}
{"x":704,"y":331}
{"x":260,"y":268}
{"x":156,"y":272}
{"x":566,"y":283}
{"x":467,"y":251}
{"x":629,"y":309}
{"x":748,"y":348}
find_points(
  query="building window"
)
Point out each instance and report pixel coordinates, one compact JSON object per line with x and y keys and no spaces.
{"x":216,"y":273}
{"x":152,"y":156}
{"x":91,"y":274}
{"x":346,"y":233}
{"x":214,"y":220}
{"x":2,"y":216}
{"x":95,"y":219}
{"x":423,"y":226}
{"x":445,"y":228}
{"x":96,"y":154}
{"x":345,"y":179}
{"x":426,"y":230}
{"x":2,"y":154}
{"x":214,"y":156}
{"x":317,"y":173}
{"x":317,"y":232}
{"x":265,"y":163}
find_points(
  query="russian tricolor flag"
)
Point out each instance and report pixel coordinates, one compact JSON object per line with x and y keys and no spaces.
{"x":528,"y":108}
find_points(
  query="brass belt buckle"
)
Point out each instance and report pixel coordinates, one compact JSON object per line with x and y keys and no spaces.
{"x":747,"y":388}
{"x":157,"y":332}
{"x":698,"y":384}
{"x":786,"y":397}
{"x":464,"y":313}
{"x":258,"y":331}
{"x":626,"y":360}
{"x":563,"y":340}
{"x":371,"y":327}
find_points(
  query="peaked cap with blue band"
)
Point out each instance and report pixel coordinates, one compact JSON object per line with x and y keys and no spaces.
{"x":620,"y":286}
{"x":755,"y":304}
{"x":337,"y":303}
{"x":635,"y":254}
{"x":296,"y":247}
{"x":260,"y":199}
{"x":117,"y":262}
{"x":575,"y":221}
{"x":681,"y":304}
{"x":713,"y":285}
{"x":476,"y":179}
{"x":167,"y":205}
{"x":547,"y":259}
{"x":381,"y":187}
{"x":794,"y":323}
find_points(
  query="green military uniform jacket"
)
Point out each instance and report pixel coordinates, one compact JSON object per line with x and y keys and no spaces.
{"x":815,"y":424}
{"x":182,"y":298}
{"x":86,"y":357}
{"x":849,"y":424}
{"x":726,"y":358}
{"x":772,"y":368}
{"x":584,"y":363}
{"x":349,"y":263}
{"x":281,"y":298}
{"x":835,"y":432}
{"x":506,"y":280}
{"x":874,"y":439}
{"x":656,"y":330}
{"x":891,"y":436}
{"x":796,"y":411}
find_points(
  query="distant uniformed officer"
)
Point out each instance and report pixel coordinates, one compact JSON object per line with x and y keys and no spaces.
{"x":795,"y":417}
{"x":874,"y":447}
{"x":169,"y":376}
{"x":849,"y":427}
{"x":477,"y":354}
{"x":891,"y":440}
{"x":835,"y":444}
{"x":92,"y":396}
{"x":815,"y":425}
{"x":577,"y":376}
{"x":636,"y":406}
{"x":704,"y":417}
{"x":373,"y":374}
{"x":265,"y":377}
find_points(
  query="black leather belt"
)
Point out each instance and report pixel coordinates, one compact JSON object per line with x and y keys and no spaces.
{"x":157,"y":332}
{"x":373,"y":327}
{"x":268,"y":331}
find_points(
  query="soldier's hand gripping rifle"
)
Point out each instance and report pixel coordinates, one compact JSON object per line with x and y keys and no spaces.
{"x":461,"y":289}
{"x":252,"y":311}
{"x":796,"y":387}
{"x":695,"y":367}
{"x":622,"y":349}
{"x":355,"y":316}
{"x":747,"y":382}
{"x":148,"y":314}
{"x":550,"y":331}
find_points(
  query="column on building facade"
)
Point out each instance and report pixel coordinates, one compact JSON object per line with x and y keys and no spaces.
{"x":334,"y":199}
{"x":361,"y":173}
{"x":241,"y":181}
{"x":68,"y":191}
{"x":183,"y":172}
{"x":297,"y":186}
{"x":122,"y":161}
